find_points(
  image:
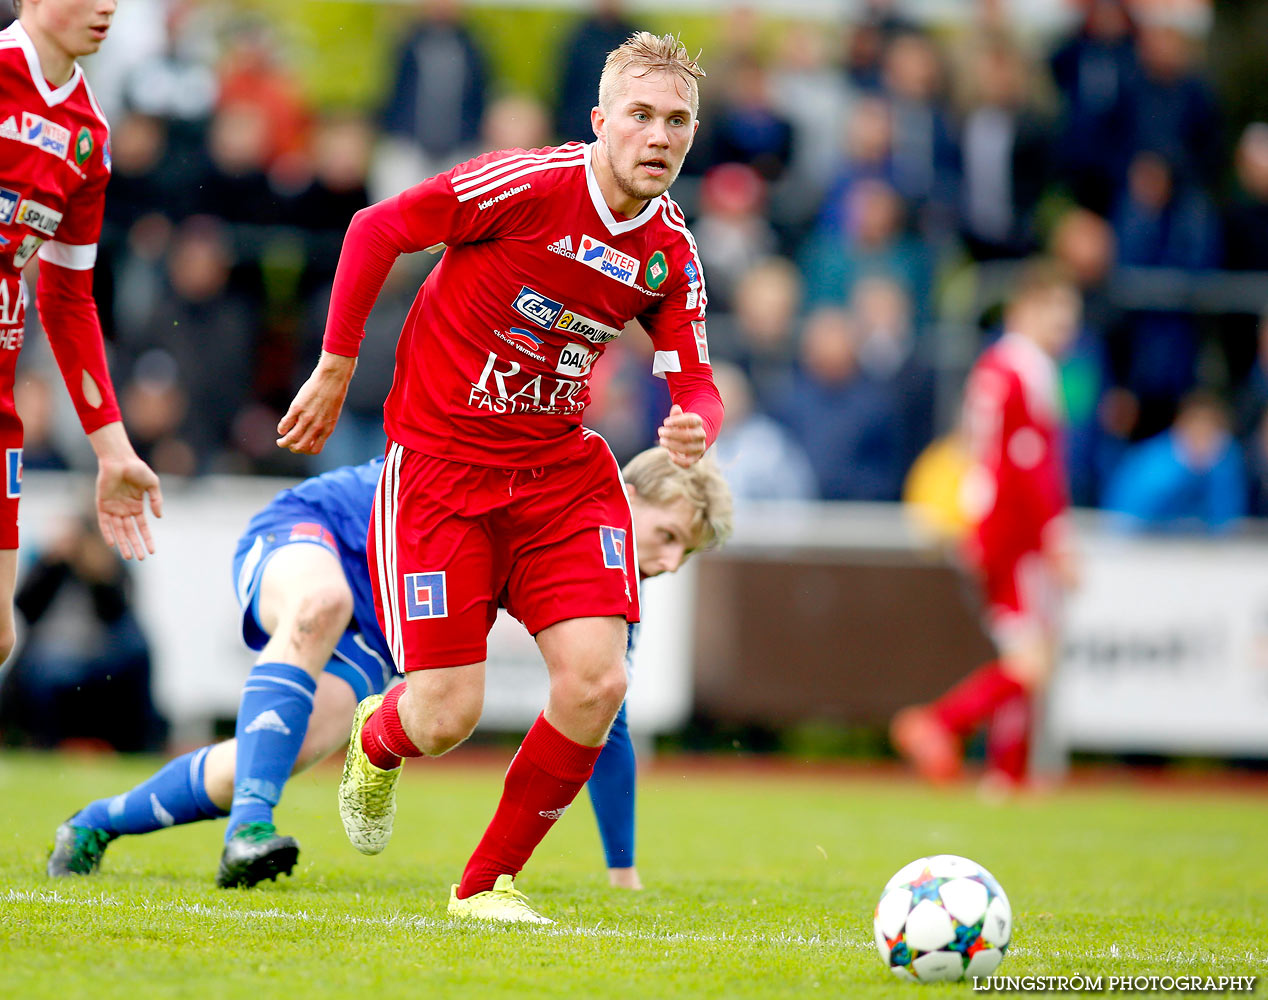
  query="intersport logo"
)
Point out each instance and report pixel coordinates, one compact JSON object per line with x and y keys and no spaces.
{"x":608,"y":260}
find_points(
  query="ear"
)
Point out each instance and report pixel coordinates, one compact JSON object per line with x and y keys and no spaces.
{"x":598,"y":122}
{"x":631,"y":492}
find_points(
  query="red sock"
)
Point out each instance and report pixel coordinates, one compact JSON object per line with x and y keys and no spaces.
{"x":1008,"y":739}
{"x":543,"y":779}
{"x":383,"y":737}
{"x":975,"y":698}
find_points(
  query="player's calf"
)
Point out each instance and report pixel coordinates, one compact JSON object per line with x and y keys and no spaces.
{"x":437,"y":710}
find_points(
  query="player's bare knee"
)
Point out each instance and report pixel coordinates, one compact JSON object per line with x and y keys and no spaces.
{"x":8,"y":639}
{"x":611,"y":690}
{"x":594,"y":695}
{"x":323,"y":613}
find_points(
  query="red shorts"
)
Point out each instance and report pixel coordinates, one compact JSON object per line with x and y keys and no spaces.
{"x":1022,"y":597}
{"x":450,"y":543}
{"x":10,"y":453}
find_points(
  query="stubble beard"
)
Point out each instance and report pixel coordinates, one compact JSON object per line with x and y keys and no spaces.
{"x":653,"y":187}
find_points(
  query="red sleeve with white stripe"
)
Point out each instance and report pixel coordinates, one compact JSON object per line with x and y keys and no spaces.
{"x":447,"y":209}
{"x":69,"y":314}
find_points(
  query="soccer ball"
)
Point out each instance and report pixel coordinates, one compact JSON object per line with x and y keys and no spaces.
{"x":942,"y":919}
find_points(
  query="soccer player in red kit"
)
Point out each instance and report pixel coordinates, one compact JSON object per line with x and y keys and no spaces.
{"x":1019,"y":543}
{"x":54,"y":165}
{"x":493,"y":493}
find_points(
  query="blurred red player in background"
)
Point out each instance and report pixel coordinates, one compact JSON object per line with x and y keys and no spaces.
{"x":1019,"y":541}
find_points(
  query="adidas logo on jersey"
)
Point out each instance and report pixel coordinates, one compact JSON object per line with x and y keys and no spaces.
{"x":9,"y":130}
{"x":563,"y":247}
{"x":269,"y":720}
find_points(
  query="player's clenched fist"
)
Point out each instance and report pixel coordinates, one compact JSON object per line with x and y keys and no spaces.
{"x":682,"y":435}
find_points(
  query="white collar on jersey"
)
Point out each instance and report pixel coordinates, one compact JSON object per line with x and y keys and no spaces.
{"x":51,"y":97}
{"x":616,"y":226}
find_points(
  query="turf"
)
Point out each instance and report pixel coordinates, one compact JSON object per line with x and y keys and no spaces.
{"x":759,"y":885}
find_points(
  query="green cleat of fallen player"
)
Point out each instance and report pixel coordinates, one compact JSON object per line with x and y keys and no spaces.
{"x":77,"y":850}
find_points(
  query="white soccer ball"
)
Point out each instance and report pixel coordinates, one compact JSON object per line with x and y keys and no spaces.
{"x":942,"y":919}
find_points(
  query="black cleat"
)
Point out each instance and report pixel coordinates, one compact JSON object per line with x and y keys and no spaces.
{"x":256,"y":852}
{"x":77,"y":850}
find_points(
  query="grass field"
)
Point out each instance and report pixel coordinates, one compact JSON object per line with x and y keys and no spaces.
{"x":759,"y":885}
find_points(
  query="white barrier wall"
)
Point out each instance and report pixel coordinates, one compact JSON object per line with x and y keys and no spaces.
{"x":1167,"y":649}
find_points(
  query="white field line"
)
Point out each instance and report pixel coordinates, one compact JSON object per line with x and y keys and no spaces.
{"x":222,"y":912}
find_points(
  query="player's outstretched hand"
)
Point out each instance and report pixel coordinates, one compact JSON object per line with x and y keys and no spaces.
{"x":682,"y":435}
{"x":123,"y":484}
{"x":315,"y":409}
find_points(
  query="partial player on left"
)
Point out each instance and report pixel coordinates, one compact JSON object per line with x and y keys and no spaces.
{"x":54,"y":166}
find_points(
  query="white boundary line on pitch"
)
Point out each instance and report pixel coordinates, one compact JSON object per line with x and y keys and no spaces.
{"x":223,"y":912}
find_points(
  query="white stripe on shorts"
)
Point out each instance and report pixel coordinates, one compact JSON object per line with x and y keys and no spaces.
{"x":385,"y":550}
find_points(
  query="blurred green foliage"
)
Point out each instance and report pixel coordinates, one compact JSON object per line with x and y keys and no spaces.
{"x":344,"y":52}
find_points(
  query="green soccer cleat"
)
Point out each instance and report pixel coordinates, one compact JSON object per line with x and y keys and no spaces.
{"x":503,"y":903}
{"x":77,"y":850}
{"x":256,"y":852}
{"x":367,"y":794}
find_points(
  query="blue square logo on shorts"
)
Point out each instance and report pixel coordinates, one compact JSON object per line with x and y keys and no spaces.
{"x":13,"y":472}
{"x":425,"y":596}
{"x":612,"y":541}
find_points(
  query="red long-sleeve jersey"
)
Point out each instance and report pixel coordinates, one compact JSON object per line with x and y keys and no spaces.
{"x":54,"y":166}
{"x":1015,"y":490}
{"x":538,"y":277}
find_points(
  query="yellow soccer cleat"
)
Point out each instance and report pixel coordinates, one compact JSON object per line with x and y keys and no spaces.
{"x":503,"y":903}
{"x":367,"y":794}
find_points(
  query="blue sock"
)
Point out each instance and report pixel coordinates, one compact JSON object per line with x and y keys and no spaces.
{"x":277,"y":701}
{"x":174,"y":795}
{"x":612,"y":794}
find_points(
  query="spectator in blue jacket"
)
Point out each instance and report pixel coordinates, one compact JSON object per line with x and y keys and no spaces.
{"x":847,"y":422}
{"x":1189,"y":478}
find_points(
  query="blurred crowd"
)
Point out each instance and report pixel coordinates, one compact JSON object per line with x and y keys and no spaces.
{"x":859,"y":192}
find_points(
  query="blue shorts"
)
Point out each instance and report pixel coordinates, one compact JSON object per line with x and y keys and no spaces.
{"x":366,"y":670}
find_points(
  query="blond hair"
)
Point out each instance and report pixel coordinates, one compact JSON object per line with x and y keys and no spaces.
{"x":659,"y":482}
{"x":644,"y":53}
{"x":1040,"y":276}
